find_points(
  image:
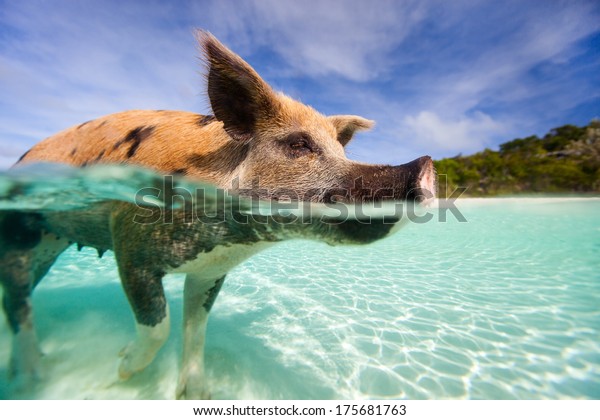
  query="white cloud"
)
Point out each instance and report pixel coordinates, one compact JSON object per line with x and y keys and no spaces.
{"x":463,"y":134}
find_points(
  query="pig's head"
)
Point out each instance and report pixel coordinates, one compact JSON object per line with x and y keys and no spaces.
{"x":291,"y":151}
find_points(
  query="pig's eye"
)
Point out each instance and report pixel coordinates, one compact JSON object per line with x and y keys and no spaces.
{"x":299,"y":145}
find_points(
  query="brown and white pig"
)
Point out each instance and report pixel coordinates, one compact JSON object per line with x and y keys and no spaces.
{"x":259,"y":143}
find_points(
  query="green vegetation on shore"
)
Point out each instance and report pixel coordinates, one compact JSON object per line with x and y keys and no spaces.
{"x":566,"y":160}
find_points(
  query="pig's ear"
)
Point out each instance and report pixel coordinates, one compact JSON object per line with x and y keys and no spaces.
{"x":238,"y":96}
{"x":347,"y":125}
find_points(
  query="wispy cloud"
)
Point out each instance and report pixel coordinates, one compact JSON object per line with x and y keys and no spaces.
{"x":351,"y":39}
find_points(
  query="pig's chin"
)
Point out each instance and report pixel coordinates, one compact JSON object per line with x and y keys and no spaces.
{"x":358,"y":232}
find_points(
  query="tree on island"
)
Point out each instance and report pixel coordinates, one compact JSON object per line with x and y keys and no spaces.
{"x":566,"y":160}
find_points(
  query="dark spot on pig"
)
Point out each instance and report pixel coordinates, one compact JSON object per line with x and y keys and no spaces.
{"x":225,"y":159}
{"x":73,"y":151}
{"x":205,"y":120}
{"x":180,"y":171}
{"x":147,"y":297}
{"x":23,"y":156}
{"x":134,"y":138}
{"x":211,"y":295}
{"x":97,"y":158}
{"x":81,"y":125}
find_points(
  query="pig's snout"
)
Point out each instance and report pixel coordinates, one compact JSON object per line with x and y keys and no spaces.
{"x":421,"y":179}
{"x":414,"y":181}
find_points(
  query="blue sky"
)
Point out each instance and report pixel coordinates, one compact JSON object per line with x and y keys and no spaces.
{"x":439,"y":77}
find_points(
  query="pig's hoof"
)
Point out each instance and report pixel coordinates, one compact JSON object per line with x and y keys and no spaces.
{"x":138,"y":354}
{"x":134,"y":359}
{"x":191,"y":387}
{"x":23,"y":375}
{"x":185,"y":393}
{"x":24,"y":367}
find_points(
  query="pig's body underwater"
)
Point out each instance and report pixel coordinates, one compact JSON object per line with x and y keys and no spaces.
{"x":258,"y":143}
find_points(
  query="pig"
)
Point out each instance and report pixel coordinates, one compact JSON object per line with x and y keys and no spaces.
{"x":258,"y":143}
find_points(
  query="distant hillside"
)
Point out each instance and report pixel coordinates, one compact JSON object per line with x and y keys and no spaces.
{"x":566,"y":160}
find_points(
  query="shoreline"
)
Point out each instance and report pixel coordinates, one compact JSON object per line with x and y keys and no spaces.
{"x":512,"y":200}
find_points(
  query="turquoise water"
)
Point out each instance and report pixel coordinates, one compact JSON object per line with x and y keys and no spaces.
{"x":505,"y":305}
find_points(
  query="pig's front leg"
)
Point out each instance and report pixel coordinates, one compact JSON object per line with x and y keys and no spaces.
{"x":146,"y":296}
{"x":141,"y":276}
{"x":199,"y":295}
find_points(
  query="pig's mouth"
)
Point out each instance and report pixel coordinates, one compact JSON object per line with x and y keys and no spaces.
{"x":360,"y":231}
{"x":414,"y":182}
